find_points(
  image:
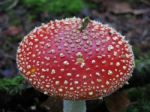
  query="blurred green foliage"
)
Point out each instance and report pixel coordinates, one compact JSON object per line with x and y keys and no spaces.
{"x":12,"y":85}
{"x":66,"y":7}
{"x":140,"y":99}
{"x":141,"y":106}
{"x":142,"y":65}
{"x":140,"y":96}
{"x":7,"y":4}
{"x":142,"y":61}
{"x":69,"y":6}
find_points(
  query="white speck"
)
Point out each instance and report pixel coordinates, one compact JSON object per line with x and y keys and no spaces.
{"x":87,"y":69}
{"x":97,"y":73}
{"x":78,"y":54}
{"x":117,"y":76}
{"x":78,"y":75}
{"x":121,"y":73}
{"x":71,"y":88}
{"x":60,"y":90}
{"x":66,"y":63}
{"x":65,"y":82}
{"x":103,"y":70}
{"x":55,"y":61}
{"x":104,"y":91}
{"x":41,"y":35}
{"x":84,"y":77}
{"x":57,"y":82}
{"x":102,"y":86}
{"x":124,"y":67}
{"x":61,"y":55}
{"x":36,"y":46}
{"x":111,"y":63}
{"x":107,"y":83}
{"x":93,"y":61}
{"x":110,"y":47}
{"x":110,"y":72}
{"x":65,"y":44}
{"x":77,"y":41}
{"x":60,"y":77}
{"x":48,"y":45}
{"x":30,"y":79}
{"x":33,"y":107}
{"x":117,"y":63}
{"x":45,"y":70}
{"x":28,"y":66}
{"x":115,"y":53}
{"x":127,"y":83}
{"x":92,"y":82}
{"x":51,"y":51}
{"x":69,"y":74}
{"x":30,"y":43}
{"x":97,"y":49}
{"x":42,"y":76}
{"x":115,"y":38}
{"x":99,"y":80}
{"x":76,"y":82}
{"x":89,"y":42}
{"x":73,"y":68}
{"x":104,"y":62}
{"x":85,"y":83}
{"x":47,"y":58}
{"x":90,"y":93}
{"x":53,"y":71}
{"x":62,"y":70}
{"x":101,"y":98}
{"x":97,"y":43}
{"x":107,"y":38}
{"x":85,"y":37}
{"x":99,"y":57}
{"x":112,"y":31}
{"x":45,"y":92}
{"x":33,"y":55}
{"x":120,"y":42}
{"x":47,"y":86}
{"x":82,"y":65}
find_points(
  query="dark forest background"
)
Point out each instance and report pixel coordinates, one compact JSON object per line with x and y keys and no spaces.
{"x":130,"y":17}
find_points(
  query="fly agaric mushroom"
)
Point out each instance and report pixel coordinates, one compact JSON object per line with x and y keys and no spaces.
{"x":61,"y":59}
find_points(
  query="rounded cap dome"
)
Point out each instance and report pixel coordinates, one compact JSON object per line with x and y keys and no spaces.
{"x":60,"y":60}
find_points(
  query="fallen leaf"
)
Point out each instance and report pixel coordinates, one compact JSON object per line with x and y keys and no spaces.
{"x":53,"y":104}
{"x":12,"y":31}
{"x":117,"y":102}
{"x":140,"y":11}
{"x":119,"y":7}
{"x":123,"y":8}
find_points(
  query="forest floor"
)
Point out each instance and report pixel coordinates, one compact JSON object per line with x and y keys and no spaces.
{"x":131,"y":19}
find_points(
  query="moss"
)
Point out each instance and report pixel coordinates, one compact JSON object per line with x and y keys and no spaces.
{"x":142,"y":65}
{"x":65,"y":7}
{"x":140,"y":99}
{"x":11,"y":85}
{"x":141,"y":106}
{"x":31,"y":3}
{"x":142,"y":61}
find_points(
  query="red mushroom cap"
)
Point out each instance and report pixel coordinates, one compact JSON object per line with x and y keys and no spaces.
{"x":60,"y":60}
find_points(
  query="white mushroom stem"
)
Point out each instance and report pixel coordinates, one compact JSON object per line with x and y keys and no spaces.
{"x":74,"y":106}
